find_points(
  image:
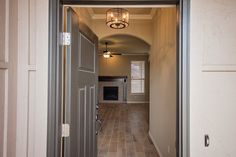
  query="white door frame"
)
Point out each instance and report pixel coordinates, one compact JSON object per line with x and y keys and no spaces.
{"x":54,"y":114}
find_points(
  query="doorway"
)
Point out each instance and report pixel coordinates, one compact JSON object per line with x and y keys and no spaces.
{"x":56,"y":138}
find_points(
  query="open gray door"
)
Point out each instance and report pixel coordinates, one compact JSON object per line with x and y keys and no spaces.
{"x":80,"y":89}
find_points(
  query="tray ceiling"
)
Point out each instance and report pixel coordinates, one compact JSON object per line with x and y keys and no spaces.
{"x":131,"y":10}
{"x":135,"y":13}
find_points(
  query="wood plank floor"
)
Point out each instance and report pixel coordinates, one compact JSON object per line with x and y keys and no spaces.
{"x":124,"y":131}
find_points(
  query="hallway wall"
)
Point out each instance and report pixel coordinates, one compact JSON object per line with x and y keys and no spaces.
{"x":163,"y":82}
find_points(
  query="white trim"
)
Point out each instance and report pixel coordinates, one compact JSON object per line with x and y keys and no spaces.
{"x":6,"y":114}
{"x":132,"y":17}
{"x":218,"y":68}
{"x":4,"y":65}
{"x":137,"y":102}
{"x":32,"y":68}
{"x":124,"y":6}
{"x":155,"y":144}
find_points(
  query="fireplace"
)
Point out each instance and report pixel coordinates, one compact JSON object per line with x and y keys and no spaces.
{"x":112,"y":89}
{"x":110,"y":93}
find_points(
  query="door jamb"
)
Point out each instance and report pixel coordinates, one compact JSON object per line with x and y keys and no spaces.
{"x":183,"y":85}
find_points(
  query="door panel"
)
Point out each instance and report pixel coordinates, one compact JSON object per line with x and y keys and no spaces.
{"x":81,"y":89}
{"x":87,"y":55}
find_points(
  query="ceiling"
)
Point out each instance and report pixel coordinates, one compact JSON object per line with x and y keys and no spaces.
{"x":135,"y":13}
{"x":124,"y":44}
{"x":131,"y":10}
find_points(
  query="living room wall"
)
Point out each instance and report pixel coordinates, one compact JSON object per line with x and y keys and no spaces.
{"x":121,"y":66}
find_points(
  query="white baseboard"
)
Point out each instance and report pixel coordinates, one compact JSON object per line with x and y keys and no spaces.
{"x":137,"y":102}
{"x":155,"y":144}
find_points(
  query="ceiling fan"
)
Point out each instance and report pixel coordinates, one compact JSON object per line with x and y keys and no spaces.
{"x":108,"y":54}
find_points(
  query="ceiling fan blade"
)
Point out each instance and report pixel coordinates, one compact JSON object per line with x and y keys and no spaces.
{"x":118,"y":54}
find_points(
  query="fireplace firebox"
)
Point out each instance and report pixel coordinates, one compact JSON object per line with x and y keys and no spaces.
{"x":110,"y":93}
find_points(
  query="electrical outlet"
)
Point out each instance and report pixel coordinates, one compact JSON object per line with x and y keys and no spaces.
{"x":169,"y":149}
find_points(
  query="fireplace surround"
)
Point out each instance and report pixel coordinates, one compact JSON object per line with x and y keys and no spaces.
{"x":112,"y":89}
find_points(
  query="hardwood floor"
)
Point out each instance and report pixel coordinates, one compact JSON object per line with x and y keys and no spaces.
{"x":124,"y":131}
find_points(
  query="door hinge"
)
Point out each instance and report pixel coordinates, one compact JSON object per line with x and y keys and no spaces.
{"x":65,"y":38}
{"x":65,"y":130}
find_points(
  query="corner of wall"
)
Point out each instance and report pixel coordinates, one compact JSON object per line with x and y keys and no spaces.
{"x":155,"y":144}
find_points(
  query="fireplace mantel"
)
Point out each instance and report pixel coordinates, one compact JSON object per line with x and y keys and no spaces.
{"x":112,"y":78}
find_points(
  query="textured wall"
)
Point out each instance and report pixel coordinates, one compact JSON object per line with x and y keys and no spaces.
{"x":120,"y":66}
{"x":213,"y":77}
{"x":163,"y":82}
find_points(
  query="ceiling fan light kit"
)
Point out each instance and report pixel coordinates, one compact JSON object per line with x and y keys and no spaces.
{"x":106,"y":53}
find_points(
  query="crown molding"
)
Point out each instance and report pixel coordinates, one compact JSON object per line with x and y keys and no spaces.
{"x":90,"y":11}
{"x":124,"y":6}
{"x":153,"y":12}
{"x":132,"y":17}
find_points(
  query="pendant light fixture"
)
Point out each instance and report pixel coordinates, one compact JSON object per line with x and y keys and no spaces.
{"x":117,"y":18}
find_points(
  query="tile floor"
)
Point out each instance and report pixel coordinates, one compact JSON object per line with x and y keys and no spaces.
{"x":124,"y":131}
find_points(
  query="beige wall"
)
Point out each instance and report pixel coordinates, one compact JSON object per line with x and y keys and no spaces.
{"x":23,"y":78}
{"x":121,"y":66}
{"x":163,"y":82}
{"x":213,"y":77}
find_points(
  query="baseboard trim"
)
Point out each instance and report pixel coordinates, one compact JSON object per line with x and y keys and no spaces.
{"x":155,"y":144}
{"x":137,"y":102}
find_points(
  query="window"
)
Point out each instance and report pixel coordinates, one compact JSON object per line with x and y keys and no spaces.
{"x":137,"y":77}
